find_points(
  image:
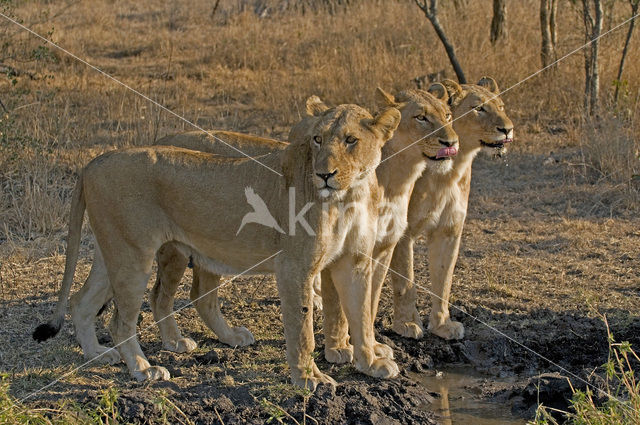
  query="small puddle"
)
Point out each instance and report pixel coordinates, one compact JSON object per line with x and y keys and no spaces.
{"x":459,"y":404}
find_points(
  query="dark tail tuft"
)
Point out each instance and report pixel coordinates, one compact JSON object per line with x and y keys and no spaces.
{"x":45,"y":331}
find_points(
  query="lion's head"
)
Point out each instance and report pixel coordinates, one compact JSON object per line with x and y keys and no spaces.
{"x":425,"y":125}
{"x":344,"y":143}
{"x":479,"y":116}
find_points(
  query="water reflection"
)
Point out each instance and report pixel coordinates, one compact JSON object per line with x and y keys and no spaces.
{"x":459,"y":404}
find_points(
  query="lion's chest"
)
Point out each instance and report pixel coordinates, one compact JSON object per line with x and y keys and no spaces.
{"x":351,"y":230}
{"x":443,"y":208}
{"x":391,"y":221}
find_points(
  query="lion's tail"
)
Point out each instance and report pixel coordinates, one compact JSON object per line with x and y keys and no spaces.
{"x":52,"y":327}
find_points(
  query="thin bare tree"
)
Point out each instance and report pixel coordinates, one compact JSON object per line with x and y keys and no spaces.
{"x":634,"y":11}
{"x":499,"y":21}
{"x":592,"y":19}
{"x":548,"y":10}
{"x":430,"y":10}
{"x":215,"y":8}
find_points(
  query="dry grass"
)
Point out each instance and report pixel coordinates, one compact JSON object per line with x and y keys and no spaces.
{"x":238,"y":71}
{"x":612,"y":150}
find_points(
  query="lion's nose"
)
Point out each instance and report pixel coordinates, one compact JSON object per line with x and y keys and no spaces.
{"x":447,"y":143}
{"x":504,"y":130}
{"x":327,"y":176}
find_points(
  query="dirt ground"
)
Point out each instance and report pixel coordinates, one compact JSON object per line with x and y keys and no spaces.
{"x":543,"y":250}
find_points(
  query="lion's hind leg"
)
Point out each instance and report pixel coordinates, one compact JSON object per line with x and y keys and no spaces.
{"x":86,"y":305}
{"x":171,"y":266}
{"x":204,"y":294}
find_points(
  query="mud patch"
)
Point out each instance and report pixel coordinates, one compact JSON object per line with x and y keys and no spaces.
{"x":539,"y":351}
{"x":399,"y":401}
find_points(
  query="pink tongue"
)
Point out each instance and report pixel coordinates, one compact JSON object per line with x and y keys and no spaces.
{"x":446,"y":152}
{"x":507,"y":141}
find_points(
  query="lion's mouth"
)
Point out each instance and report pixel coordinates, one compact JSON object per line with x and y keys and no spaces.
{"x":326,"y":191}
{"x":498,"y":145}
{"x":443,"y":154}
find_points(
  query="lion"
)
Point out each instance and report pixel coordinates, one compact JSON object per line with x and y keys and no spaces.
{"x":139,"y":199}
{"x":438,"y":208}
{"x":425,"y":119}
{"x":424,"y":142}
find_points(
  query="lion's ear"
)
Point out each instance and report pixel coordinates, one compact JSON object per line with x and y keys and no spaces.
{"x":386,"y":122}
{"x":489,"y":84}
{"x":385,"y":98}
{"x":454,"y":90}
{"x":315,"y":106}
{"x":439,"y":91}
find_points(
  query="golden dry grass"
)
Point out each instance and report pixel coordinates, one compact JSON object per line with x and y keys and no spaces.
{"x":239,"y":71}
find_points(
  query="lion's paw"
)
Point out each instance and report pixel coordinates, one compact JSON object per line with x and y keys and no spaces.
{"x":104,"y":355}
{"x":339,"y":355}
{"x":383,"y":351}
{"x":310,"y":382}
{"x":450,"y":329}
{"x":182,"y":345}
{"x":152,"y":373}
{"x":409,"y":329}
{"x":380,"y":368}
{"x":238,"y":337}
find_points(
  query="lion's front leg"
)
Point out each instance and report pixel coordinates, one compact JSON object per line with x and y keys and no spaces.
{"x":406,"y":319}
{"x":337,"y":348}
{"x":380,"y":267}
{"x":443,"y":246}
{"x":352,"y":280}
{"x":295,"y":290}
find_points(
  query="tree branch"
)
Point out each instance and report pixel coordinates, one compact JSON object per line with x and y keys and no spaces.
{"x":430,"y":10}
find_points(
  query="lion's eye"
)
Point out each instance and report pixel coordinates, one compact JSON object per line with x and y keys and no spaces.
{"x":480,"y":108}
{"x":350,"y":140}
{"x":448,"y":117}
{"x":501,"y":108}
{"x":317,"y":140}
{"x":422,"y":118}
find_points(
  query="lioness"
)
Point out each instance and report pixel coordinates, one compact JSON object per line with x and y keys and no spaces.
{"x":438,"y":207}
{"x":426,"y":119}
{"x":141,"y":198}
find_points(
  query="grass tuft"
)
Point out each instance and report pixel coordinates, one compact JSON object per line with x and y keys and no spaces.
{"x":622,"y":406}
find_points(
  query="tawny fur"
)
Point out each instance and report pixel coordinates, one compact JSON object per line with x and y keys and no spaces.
{"x":139,"y":199}
{"x":438,"y":209}
{"x":425,"y":120}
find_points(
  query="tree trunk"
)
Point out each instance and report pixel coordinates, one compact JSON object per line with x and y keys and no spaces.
{"x":553,"y":26}
{"x":499,"y":21}
{"x":593,"y":28}
{"x":634,"y":11}
{"x":430,"y":10}
{"x":548,"y":10}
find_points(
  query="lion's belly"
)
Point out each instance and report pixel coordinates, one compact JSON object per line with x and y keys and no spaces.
{"x":229,"y":262}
